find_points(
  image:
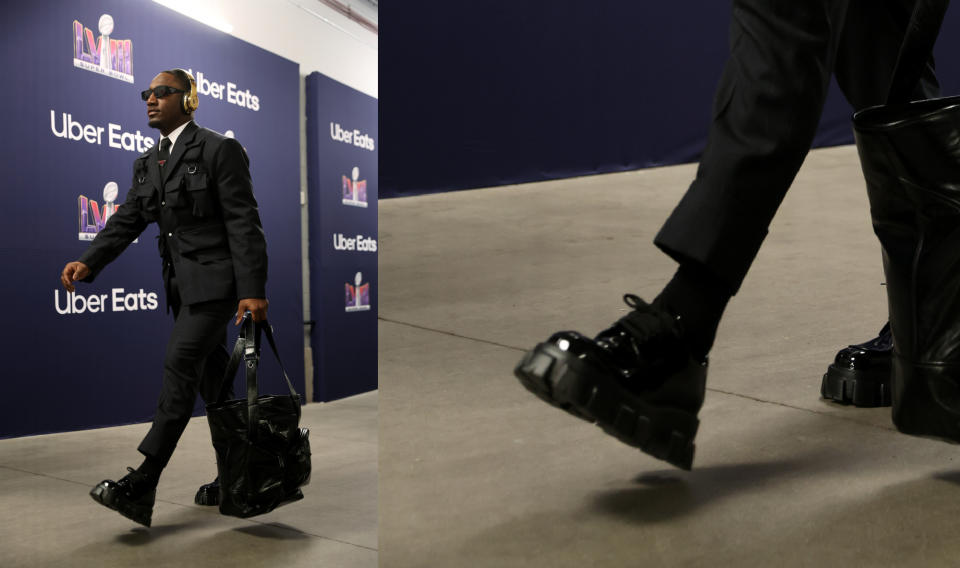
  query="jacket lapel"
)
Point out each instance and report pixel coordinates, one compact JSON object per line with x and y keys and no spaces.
{"x":184,"y":140}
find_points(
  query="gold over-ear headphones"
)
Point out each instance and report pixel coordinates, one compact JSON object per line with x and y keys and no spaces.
{"x":190,"y":101}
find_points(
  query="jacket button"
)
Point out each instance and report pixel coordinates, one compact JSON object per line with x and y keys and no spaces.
{"x":169,"y":234}
{"x":163,"y":203}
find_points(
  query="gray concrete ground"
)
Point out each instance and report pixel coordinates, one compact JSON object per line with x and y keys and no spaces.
{"x":48,"y":520}
{"x":475,"y":471}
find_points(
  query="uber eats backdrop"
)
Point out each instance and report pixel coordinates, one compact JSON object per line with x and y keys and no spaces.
{"x":73,"y":125}
{"x":342,"y":176}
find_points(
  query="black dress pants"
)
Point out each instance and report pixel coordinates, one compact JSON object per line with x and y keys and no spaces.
{"x":195,"y":362}
{"x":766,"y":111}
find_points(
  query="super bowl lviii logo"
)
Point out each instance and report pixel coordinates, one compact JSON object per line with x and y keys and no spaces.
{"x":92,"y":216}
{"x":102,"y":54}
{"x":358,"y":295}
{"x":355,"y":189}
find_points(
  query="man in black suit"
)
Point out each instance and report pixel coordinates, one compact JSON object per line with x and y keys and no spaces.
{"x":643,"y":379}
{"x":195,"y":184}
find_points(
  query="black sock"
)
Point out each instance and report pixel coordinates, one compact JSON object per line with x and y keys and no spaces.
{"x":151,"y":468}
{"x":698,"y":297}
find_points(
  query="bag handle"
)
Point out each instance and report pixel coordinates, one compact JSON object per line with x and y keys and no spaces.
{"x":916,"y":48}
{"x":232,"y":365}
{"x":247,"y":348}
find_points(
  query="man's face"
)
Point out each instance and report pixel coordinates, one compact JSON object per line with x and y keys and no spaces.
{"x":166,"y":114}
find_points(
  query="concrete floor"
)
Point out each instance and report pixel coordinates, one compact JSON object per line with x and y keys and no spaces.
{"x":475,"y":471}
{"x":48,"y":520}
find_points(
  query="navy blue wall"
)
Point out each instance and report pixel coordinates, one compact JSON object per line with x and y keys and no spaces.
{"x":488,"y":93}
{"x":342,"y":149}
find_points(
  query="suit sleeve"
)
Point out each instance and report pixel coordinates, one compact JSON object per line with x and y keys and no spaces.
{"x":248,"y":246}
{"x":121,"y":229}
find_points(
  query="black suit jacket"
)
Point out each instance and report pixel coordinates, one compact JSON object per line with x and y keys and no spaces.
{"x":210,"y":232}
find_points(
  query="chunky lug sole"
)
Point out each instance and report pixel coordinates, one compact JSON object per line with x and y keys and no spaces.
{"x":587,"y":392}
{"x":865,"y":389}
{"x":140,"y":511}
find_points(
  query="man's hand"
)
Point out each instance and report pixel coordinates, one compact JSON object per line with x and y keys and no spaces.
{"x":256,"y":306}
{"x":72,"y":272}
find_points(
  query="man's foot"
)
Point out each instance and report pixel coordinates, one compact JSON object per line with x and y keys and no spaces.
{"x":133,"y":496}
{"x":208,"y":494}
{"x":860,"y":374}
{"x":636,"y":380}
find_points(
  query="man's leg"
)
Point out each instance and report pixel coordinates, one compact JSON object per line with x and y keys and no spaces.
{"x":198,"y":331}
{"x":768,"y":105}
{"x":767,"y":108}
{"x":213,"y":371}
{"x":198,"y":337}
{"x":643,"y":379}
{"x":868,"y":49}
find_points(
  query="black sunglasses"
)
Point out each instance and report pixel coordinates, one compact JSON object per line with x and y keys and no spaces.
{"x":160,"y":91}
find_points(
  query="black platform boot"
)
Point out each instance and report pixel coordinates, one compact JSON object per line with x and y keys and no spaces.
{"x":911,"y":160}
{"x":860,"y":374}
{"x":208,"y":494}
{"x":636,"y":380}
{"x":132,"y":496}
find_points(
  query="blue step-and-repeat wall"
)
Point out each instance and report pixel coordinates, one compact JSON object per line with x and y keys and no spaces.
{"x":342,"y":151}
{"x":74,"y":124}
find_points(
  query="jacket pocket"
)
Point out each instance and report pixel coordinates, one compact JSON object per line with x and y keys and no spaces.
{"x":173,"y":195}
{"x":204,"y":244}
{"x":197,"y":187}
{"x":145,"y":199}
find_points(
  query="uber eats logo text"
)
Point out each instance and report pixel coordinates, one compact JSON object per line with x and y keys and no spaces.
{"x":359,"y":243}
{"x":353,"y":137}
{"x":63,"y":125}
{"x":118,"y":300}
{"x":233,"y":94}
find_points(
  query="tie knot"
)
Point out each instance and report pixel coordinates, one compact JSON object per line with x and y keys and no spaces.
{"x":164,"y":144}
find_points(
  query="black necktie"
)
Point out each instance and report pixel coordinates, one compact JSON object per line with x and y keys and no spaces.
{"x":164,"y":151}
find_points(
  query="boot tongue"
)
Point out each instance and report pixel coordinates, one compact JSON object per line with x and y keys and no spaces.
{"x":645,"y":339}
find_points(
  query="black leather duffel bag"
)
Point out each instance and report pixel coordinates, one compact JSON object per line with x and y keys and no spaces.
{"x":263,"y":456}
